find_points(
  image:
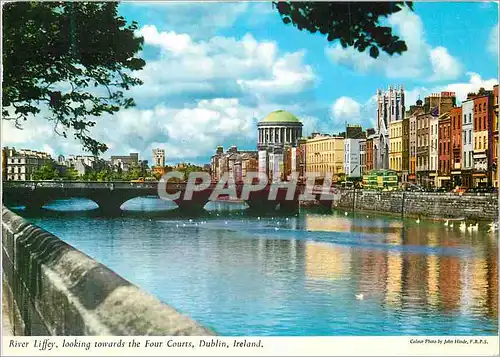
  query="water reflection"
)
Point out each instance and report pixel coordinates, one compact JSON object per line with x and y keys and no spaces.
{"x":299,"y":275}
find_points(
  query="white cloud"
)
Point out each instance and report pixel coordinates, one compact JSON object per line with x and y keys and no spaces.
{"x":421,"y":60}
{"x":493,"y":41}
{"x":346,"y":109}
{"x":289,"y":75}
{"x":196,"y":95}
{"x":444,"y":65}
{"x":185,"y":133}
{"x":219,"y":66}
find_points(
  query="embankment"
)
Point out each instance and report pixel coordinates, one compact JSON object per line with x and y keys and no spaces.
{"x":473,"y":206}
{"x":52,"y":288}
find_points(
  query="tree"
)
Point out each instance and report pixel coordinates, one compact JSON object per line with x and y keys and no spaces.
{"x":71,"y":174}
{"x":354,"y":24}
{"x":72,"y":60}
{"x":47,"y":171}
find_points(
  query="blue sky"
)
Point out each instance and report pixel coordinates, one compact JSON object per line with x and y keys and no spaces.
{"x":214,"y":69}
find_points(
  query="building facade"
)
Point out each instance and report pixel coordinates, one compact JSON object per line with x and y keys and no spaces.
{"x":423,"y":138}
{"x":390,"y":107}
{"x":125,"y":163}
{"x":353,"y":166}
{"x":362,"y":156}
{"x":456,"y":143}
{"x":482,"y":137}
{"x":467,"y":142}
{"x":433,"y":148}
{"x":159,"y":157}
{"x":277,"y":131}
{"x":445,"y":151}
{"x":396,"y":146}
{"x":235,"y":163}
{"x":412,"y":114}
{"x":405,"y":155}
{"x":22,"y":164}
{"x":325,"y":156}
{"x":369,"y":152}
{"x":439,"y":103}
{"x":158,"y":166}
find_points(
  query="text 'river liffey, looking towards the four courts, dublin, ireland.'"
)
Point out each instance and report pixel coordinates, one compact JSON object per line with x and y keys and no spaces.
{"x":250,"y":178}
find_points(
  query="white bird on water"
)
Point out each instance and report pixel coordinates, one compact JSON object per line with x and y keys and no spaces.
{"x":359,"y":296}
{"x":346,"y":213}
{"x":463,"y":226}
{"x":446,"y":223}
{"x":417,"y":221}
{"x":451,"y":225}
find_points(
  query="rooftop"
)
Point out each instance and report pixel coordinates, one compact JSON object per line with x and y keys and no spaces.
{"x":280,"y":116}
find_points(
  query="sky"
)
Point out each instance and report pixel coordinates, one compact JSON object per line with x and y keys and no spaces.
{"x":213,"y":70}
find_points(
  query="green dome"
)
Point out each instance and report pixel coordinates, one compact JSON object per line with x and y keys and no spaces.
{"x":280,"y":116}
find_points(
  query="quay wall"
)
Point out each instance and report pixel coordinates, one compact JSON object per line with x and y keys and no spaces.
{"x":51,"y":288}
{"x":473,"y":206}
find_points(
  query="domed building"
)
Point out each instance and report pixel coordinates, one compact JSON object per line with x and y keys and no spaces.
{"x":278,"y":131}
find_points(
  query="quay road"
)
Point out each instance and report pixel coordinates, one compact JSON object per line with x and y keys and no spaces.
{"x":109,"y":196}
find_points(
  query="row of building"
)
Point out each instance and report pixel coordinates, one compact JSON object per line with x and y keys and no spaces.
{"x":21,"y":164}
{"x":434,"y":143}
{"x":282,"y":151}
{"x":438,"y":143}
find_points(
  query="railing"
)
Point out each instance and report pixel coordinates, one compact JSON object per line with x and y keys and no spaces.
{"x":82,"y":184}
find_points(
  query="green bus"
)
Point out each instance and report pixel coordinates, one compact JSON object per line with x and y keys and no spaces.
{"x":380,"y":179}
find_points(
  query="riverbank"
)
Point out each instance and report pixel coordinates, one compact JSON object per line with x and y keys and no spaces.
{"x":59,"y":290}
{"x":469,"y":206}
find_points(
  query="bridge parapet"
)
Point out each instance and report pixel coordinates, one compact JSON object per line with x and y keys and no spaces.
{"x":53,"y":289}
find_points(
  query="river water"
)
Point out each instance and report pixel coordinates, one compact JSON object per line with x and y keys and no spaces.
{"x":297,"y":275}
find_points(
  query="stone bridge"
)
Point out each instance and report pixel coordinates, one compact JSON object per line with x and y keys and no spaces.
{"x":110,"y":196}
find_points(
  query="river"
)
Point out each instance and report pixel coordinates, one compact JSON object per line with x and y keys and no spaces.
{"x":315,"y":273}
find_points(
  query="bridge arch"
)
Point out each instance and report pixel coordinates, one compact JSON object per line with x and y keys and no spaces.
{"x":147,"y":203}
{"x":67,"y":204}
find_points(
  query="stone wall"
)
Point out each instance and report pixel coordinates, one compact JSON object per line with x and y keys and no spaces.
{"x":53,"y":289}
{"x":476,"y":206}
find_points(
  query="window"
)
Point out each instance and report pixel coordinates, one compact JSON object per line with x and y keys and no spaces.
{"x":475,"y":143}
{"x":470,"y":118}
{"x":465,"y":118}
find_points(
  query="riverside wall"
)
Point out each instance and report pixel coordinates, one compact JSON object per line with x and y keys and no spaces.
{"x":472,"y":206}
{"x":51,"y":288}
